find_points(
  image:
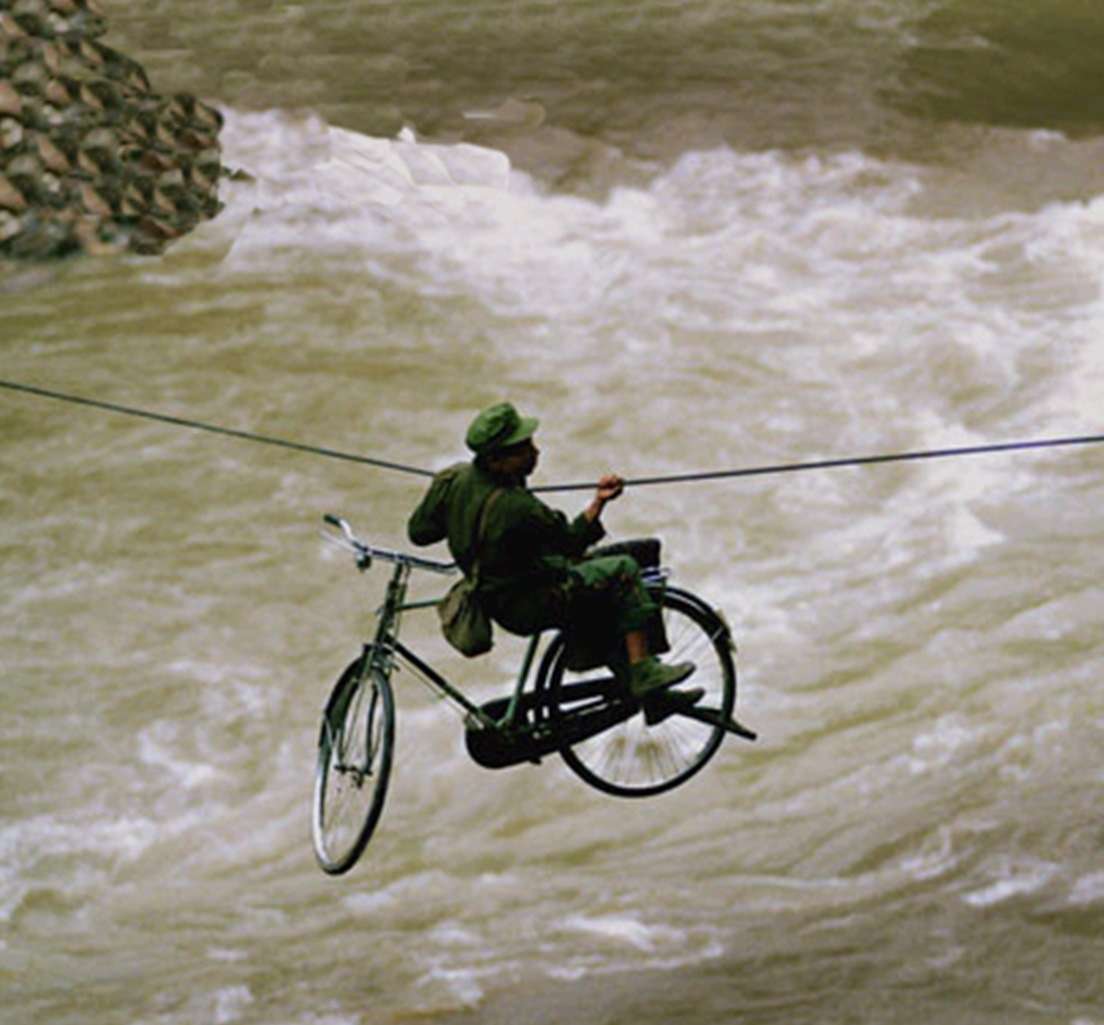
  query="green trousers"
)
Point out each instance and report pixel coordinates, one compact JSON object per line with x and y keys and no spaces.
{"x":602,"y":598}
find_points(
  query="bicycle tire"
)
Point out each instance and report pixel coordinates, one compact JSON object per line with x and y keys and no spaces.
{"x":633,"y":759}
{"x":355,"y":748}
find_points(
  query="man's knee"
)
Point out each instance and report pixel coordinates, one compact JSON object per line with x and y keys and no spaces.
{"x":607,"y":571}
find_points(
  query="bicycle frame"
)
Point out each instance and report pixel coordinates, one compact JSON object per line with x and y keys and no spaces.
{"x":593,"y":722}
{"x":382,"y":651}
{"x":435,"y":679}
{"x":385,"y":645}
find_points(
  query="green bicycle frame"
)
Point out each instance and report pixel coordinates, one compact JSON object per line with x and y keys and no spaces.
{"x":386,"y":645}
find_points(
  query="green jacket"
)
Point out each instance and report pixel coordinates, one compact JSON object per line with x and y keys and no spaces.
{"x":528,"y":547}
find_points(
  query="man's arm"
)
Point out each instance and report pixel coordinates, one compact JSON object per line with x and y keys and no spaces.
{"x":583,"y":531}
{"x":523,"y":534}
{"x":609,"y":487}
{"x":427,"y":523}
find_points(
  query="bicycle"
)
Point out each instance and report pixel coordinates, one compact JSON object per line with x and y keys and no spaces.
{"x":584,"y":715}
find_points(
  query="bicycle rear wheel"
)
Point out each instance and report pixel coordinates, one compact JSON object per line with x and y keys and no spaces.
{"x":354,"y":765}
{"x":633,"y":759}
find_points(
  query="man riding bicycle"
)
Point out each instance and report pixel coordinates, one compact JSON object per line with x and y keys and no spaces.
{"x":532,"y":570}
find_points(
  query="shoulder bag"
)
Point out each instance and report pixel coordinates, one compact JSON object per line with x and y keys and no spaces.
{"x":465,"y":624}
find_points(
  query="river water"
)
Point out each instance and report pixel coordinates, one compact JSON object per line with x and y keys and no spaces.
{"x":688,"y":236}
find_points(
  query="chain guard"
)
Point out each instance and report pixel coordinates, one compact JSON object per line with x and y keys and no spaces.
{"x":541,"y":732}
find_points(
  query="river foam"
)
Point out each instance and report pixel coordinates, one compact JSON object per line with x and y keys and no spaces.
{"x":742,"y":252}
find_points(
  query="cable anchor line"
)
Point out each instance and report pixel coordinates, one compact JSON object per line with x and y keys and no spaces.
{"x":678,"y":478}
{"x":199,"y":425}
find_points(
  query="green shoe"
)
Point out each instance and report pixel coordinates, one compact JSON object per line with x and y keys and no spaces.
{"x":650,"y":675}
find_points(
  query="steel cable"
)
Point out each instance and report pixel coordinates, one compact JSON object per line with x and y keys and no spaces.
{"x":826,"y":464}
{"x":198,"y":425}
{"x":678,"y":478}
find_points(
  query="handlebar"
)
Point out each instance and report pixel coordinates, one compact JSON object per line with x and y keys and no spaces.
{"x":365,"y":553}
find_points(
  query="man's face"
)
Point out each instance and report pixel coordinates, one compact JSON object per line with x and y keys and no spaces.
{"x":518,"y":460}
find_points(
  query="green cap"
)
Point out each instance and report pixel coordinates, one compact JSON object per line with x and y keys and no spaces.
{"x":499,"y":426}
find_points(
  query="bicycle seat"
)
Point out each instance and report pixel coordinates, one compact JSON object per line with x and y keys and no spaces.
{"x":645,"y":550}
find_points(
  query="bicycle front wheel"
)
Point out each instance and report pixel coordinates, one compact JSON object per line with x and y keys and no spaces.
{"x":633,"y":759}
{"x":354,"y":765}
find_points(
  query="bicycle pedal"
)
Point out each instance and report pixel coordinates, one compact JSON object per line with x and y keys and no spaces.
{"x":658,"y":707}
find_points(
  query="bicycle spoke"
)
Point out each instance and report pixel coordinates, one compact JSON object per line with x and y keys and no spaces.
{"x":353,"y":767}
{"x":634,"y":759}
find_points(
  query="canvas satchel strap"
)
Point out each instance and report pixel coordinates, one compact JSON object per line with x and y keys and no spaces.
{"x":480,"y":529}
